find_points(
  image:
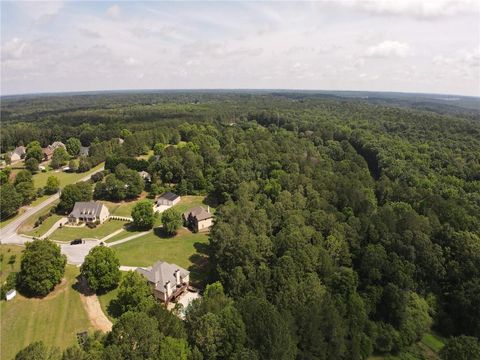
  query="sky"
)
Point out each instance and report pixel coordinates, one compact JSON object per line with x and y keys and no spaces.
{"x":376,"y":45}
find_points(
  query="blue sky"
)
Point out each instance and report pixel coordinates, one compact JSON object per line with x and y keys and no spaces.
{"x":392,"y":45}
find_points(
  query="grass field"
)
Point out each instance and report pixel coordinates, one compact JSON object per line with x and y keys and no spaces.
{"x":6,"y":251}
{"x":40,"y":178}
{"x":123,"y":208}
{"x":55,"y":319}
{"x":28,"y":226}
{"x":185,"y":249}
{"x":190,"y":201}
{"x":71,"y":233}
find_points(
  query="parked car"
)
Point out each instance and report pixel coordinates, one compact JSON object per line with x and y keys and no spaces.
{"x":76,"y":242}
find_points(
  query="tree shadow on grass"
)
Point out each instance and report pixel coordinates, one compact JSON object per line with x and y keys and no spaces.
{"x":81,"y":286}
{"x":160,"y":232}
{"x":201,"y":270}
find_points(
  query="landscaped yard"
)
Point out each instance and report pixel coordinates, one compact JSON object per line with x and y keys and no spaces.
{"x":55,"y":319}
{"x":67,"y":233}
{"x":123,"y":208}
{"x":190,"y":201}
{"x":28,"y":227}
{"x":185,"y":249}
{"x":6,"y":252}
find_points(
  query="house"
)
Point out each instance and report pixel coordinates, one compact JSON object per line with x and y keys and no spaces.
{"x":168,"y":199}
{"x":198,"y":218}
{"x":57,"y":144}
{"x":17,"y":154}
{"x":10,"y":294}
{"x":47,"y":153}
{"x":168,"y":281}
{"x":89,"y":212}
{"x":84,"y":150}
{"x":145,"y":176}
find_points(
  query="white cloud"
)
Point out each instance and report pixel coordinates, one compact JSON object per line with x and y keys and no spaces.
{"x":114,"y":11}
{"x":389,"y":48}
{"x":13,"y":49}
{"x":416,"y":8}
{"x":40,"y":11}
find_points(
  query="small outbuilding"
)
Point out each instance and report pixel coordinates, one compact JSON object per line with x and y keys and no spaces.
{"x":168,"y":199}
{"x":11,"y":294}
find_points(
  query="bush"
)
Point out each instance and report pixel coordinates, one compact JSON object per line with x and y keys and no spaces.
{"x":31,"y":164}
{"x":98,"y":176}
{"x":42,"y":267}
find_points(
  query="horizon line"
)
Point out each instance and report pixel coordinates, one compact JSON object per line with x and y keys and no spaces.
{"x":75,"y":92}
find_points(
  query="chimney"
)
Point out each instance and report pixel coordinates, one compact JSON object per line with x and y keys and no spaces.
{"x":177,"y":277}
{"x":169,"y":288}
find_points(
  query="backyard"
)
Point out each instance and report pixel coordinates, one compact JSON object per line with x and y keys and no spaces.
{"x":186,"y":249}
{"x":55,"y":319}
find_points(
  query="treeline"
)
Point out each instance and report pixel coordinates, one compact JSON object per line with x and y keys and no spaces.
{"x":344,"y":229}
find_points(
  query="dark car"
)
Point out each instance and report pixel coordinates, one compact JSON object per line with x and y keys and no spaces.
{"x":76,"y":242}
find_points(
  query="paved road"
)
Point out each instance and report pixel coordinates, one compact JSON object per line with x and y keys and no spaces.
{"x":76,"y":253}
{"x":8,"y":234}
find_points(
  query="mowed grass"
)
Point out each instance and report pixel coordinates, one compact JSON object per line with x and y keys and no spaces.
{"x":189,"y":201}
{"x":433,"y":341}
{"x":44,"y":226}
{"x":55,"y":319}
{"x":6,"y":252}
{"x":145,"y":250}
{"x":68,"y":233}
{"x":123,"y":208}
{"x":28,"y":226}
{"x":65,"y":178}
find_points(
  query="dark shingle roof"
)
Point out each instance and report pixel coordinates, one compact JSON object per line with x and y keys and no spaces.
{"x":168,"y":196}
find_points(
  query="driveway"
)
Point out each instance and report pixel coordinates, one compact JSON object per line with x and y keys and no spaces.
{"x":76,"y":253}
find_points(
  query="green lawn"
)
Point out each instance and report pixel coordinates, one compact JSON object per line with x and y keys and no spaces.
{"x":40,"y":178}
{"x":55,"y":319}
{"x":433,"y":341}
{"x":44,"y":227}
{"x":71,"y":233}
{"x":123,"y":208}
{"x":6,"y":251}
{"x":186,"y":249}
{"x":28,"y":226}
{"x":189,"y":201}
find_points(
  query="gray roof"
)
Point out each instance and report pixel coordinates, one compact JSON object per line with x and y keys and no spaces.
{"x":161,"y":272}
{"x":20,"y":150}
{"x":84,"y":150}
{"x":198,"y":212}
{"x":86,"y":208}
{"x":168,"y":196}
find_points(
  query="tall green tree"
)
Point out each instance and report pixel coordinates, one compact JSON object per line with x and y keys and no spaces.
{"x":143,"y":215}
{"x":42,"y":267}
{"x":101,"y":269}
{"x":73,"y":146}
{"x":171,"y":221}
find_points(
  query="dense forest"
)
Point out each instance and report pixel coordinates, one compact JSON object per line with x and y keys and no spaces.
{"x":347,"y":225}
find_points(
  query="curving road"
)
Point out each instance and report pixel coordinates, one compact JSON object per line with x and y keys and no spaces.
{"x":9,"y":235}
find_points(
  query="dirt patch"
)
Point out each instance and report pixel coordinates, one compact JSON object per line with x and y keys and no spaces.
{"x":95,"y":313}
{"x":92,"y":306}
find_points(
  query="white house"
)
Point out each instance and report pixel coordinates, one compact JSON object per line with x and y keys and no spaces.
{"x":11,"y":294}
{"x":89,"y":212}
{"x":168,"y":281}
{"x":17,"y":154}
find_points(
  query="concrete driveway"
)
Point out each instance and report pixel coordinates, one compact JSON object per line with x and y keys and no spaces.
{"x":76,"y":253}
